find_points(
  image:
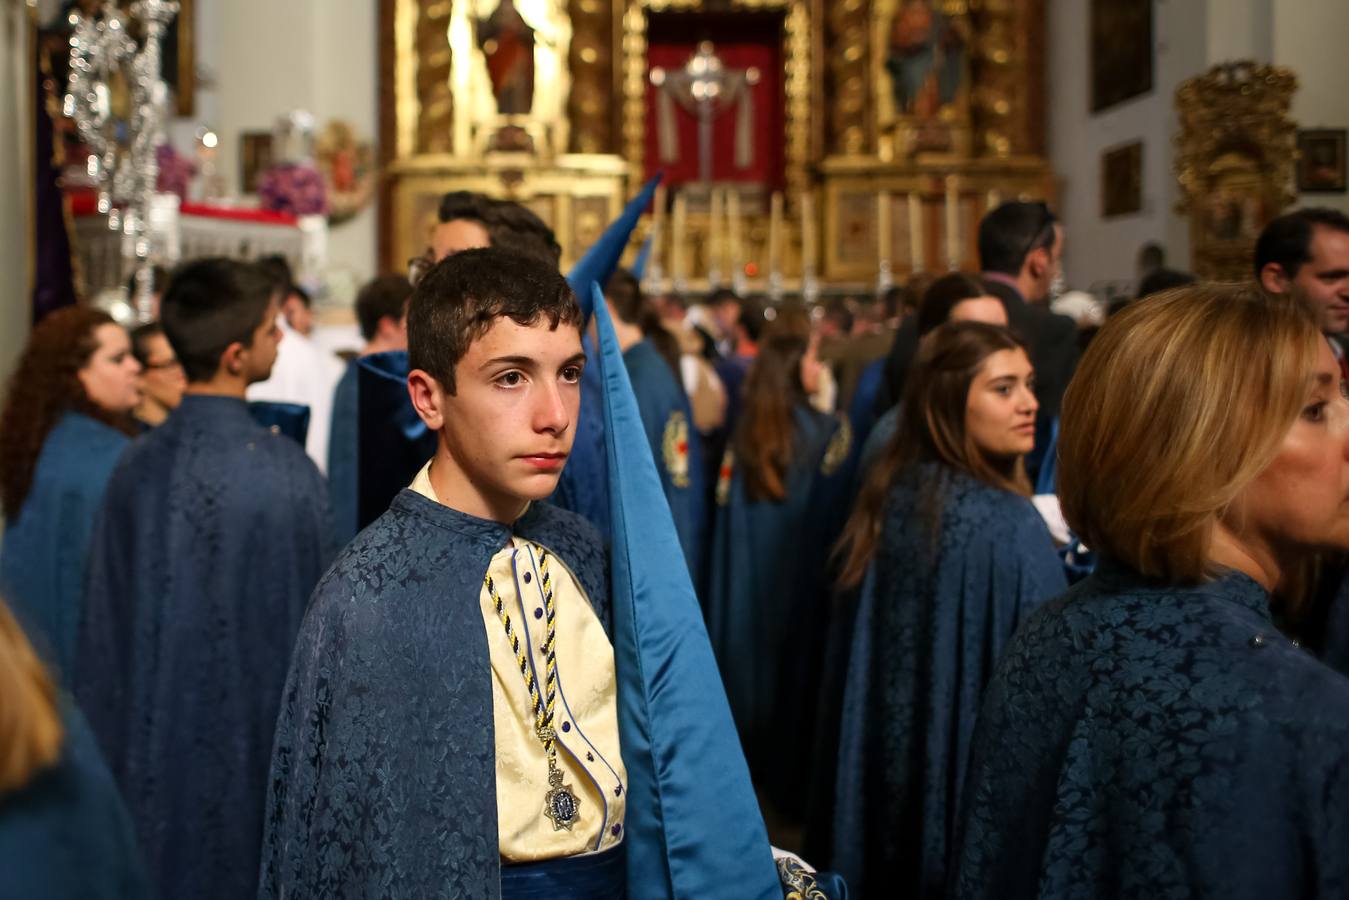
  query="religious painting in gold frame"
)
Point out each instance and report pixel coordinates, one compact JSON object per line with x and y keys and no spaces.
{"x":1122,"y":180}
{"x":921,"y":55}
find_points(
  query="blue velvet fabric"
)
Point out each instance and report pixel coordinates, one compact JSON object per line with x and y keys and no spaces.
{"x":343,"y":453}
{"x":584,"y":485}
{"x":393,"y":442}
{"x":383,"y":778}
{"x":1144,"y":739}
{"x":939,"y":603}
{"x":45,"y":548}
{"x":591,"y":876}
{"x":693,"y":824}
{"x":212,"y":535}
{"x":660,"y":398}
{"x":66,"y":833}
{"x":289,"y":419}
{"x":768,"y":602}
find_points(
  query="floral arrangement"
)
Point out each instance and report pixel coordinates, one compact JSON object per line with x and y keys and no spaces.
{"x":295,"y":188}
{"x":176,"y":171}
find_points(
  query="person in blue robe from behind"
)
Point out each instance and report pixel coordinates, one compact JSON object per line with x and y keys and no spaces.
{"x":950,"y":557}
{"x":213,"y":532}
{"x":65,"y":424}
{"x":381,"y":311}
{"x":651,"y":356}
{"x":780,"y":503}
{"x":64,"y":831}
{"x":1150,"y":733}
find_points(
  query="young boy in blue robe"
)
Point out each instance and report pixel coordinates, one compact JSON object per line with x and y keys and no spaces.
{"x":667,"y":417}
{"x":213,"y":532}
{"x":449,"y":726}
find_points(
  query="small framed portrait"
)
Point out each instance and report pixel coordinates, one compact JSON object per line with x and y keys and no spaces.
{"x":255,"y":157}
{"x":1320,"y":165}
{"x":1122,"y":180}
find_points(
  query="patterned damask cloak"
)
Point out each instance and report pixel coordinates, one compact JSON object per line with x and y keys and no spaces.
{"x":213,"y":533}
{"x":935,"y":612}
{"x":1142,"y":739}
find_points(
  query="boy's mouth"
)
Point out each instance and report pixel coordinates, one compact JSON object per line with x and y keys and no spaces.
{"x":546,"y":460}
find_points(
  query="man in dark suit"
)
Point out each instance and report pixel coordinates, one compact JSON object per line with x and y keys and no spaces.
{"x":1306,"y":253}
{"x":1021,"y":253}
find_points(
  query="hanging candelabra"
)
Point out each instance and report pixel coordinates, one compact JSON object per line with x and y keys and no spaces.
{"x":124,"y":172}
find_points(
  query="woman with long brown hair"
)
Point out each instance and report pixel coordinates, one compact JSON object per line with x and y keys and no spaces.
{"x":63,"y":830}
{"x":949,"y":555}
{"x":64,"y":425}
{"x":780,"y":497}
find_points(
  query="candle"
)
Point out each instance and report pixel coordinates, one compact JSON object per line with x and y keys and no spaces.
{"x":808,"y":233}
{"x":733,"y":238}
{"x":680,"y":219}
{"x":775,"y":236}
{"x":716,"y":247}
{"x":657,"y":223}
{"x":916,"y":254}
{"x":952,"y":223}
{"x":885,"y":234}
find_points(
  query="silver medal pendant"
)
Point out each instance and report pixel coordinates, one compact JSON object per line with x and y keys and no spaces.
{"x":561,"y":804}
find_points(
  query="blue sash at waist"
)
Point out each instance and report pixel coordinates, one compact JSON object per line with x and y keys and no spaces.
{"x":594,"y":876}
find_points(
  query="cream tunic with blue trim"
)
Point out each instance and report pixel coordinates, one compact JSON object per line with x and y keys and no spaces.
{"x":586,"y":711}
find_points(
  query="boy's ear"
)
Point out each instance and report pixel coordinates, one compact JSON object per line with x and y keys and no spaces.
{"x":232,"y":360}
{"x":428,"y":398}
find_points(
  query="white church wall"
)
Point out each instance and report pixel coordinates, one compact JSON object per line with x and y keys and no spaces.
{"x":1309,"y":37}
{"x":15,"y":184}
{"x":1100,"y":251}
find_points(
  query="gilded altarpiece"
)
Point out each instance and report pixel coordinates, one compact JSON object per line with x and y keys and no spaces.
{"x":894,"y":124}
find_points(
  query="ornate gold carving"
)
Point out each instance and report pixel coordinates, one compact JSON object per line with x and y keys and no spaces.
{"x":846,"y":23}
{"x":591,"y":61}
{"x":1235,"y":155}
{"x":435,"y":102}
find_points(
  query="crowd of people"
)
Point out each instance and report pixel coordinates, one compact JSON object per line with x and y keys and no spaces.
{"x":1004,"y":602}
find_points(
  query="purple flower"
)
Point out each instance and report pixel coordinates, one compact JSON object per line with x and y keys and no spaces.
{"x":176,"y":171}
{"x":293,"y":188}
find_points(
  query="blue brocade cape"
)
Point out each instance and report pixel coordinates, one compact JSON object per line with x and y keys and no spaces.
{"x":676,"y":448}
{"x":935,"y":612}
{"x":45,"y":548}
{"x":767,"y":602}
{"x":213,"y":533}
{"x":66,"y":833}
{"x":1142,"y":739}
{"x":383,"y":778}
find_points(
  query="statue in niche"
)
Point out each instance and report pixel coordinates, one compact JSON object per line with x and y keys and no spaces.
{"x":507,"y":43}
{"x":926,"y":58}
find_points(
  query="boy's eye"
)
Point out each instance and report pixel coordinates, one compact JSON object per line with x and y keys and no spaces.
{"x":510,"y":379}
{"x":571,"y":373}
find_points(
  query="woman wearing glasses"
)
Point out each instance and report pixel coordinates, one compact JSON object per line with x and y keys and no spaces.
{"x":162,"y":378}
{"x":64,"y":425}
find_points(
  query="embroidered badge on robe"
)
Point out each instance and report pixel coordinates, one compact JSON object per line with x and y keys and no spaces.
{"x":675,"y":448}
{"x":724,"y":478}
{"x":840,"y":445}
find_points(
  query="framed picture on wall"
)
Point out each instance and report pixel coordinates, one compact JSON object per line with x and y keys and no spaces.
{"x":1321,"y":162}
{"x":255,"y":157}
{"x":1122,"y":180}
{"x":1121,"y":51}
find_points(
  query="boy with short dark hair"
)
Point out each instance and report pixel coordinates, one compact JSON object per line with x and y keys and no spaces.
{"x":449,"y":725}
{"x":213,"y":533}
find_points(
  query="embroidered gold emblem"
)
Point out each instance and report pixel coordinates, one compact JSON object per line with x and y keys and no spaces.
{"x":840,"y":445}
{"x":724,"y":478}
{"x":675,"y":448}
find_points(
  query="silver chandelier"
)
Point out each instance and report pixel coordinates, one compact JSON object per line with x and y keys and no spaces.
{"x":125,"y":175}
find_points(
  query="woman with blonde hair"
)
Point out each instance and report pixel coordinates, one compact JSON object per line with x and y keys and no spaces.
{"x":1150,"y":732}
{"x":949,"y":556}
{"x":63,"y":830}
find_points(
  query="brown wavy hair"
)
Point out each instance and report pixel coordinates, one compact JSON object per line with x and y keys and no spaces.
{"x":931,"y":429}
{"x":45,"y":386}
{"x":764,"y":437}
{"x":30,"y":726}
